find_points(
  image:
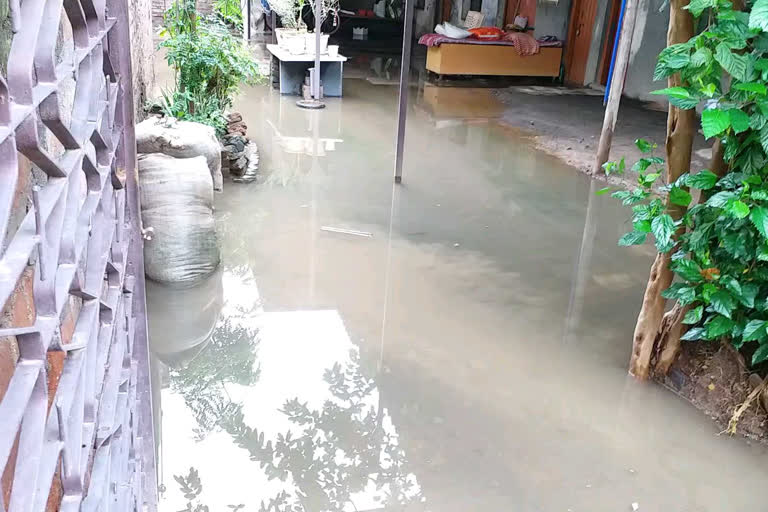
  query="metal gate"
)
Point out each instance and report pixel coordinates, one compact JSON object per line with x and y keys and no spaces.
{"x":87,"y":431}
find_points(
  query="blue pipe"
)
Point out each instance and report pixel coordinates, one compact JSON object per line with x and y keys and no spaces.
{"x":613,"y":55}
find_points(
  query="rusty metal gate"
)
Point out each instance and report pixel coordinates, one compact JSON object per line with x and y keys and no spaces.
{"x":86,"y":431}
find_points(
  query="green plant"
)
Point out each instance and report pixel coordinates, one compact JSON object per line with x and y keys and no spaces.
{"x":719,"y":244}
{"x":207,"y":110}
{"x":289,"y":12}
{"x":230,"y":12}
{"x":209,"y":63}
{"x":179,"y":18}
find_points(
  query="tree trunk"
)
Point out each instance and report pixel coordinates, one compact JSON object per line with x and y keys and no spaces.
{"x":681,"y":128}
{"x":668,"y":343}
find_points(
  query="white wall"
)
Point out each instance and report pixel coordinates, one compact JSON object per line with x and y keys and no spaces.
{"x":552,"y":19}
{"x":649,"y":39}
{"x":424,"y":19}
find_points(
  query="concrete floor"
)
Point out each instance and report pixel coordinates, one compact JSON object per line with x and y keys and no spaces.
{"x":470,"y":354}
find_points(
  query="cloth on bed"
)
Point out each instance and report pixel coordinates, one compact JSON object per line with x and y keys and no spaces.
{"x":524,"y":44}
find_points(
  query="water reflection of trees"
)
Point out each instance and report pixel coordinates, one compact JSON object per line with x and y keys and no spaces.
{"x":346,"y":448}
{"x":228,"y":358}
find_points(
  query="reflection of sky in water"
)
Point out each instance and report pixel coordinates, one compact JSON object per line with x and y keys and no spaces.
{"x":309,"y":434}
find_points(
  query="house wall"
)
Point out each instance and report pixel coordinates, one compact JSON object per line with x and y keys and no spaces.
{"x":424,"y":19}
{"x":552,"y":19}
{"x":649,"y":38}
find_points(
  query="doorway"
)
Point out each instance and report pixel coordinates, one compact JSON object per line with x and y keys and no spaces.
{"x":606,"y":51}
{"x":579,"y":41}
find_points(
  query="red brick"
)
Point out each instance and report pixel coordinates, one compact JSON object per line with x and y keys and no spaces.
{"x":56,"y":493}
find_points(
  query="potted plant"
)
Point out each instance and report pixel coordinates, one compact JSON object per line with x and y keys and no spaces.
{"x":327,"y":8}
{"x":291,"y":35}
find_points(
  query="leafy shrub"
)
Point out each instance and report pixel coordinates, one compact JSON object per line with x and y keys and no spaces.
{"x":230,"y":12}
{"x":180,"y":18}
{"x":209,"y":63}
{"x":720,"y":255}
{"x":720,"y":244}
{"x":206,"y":109}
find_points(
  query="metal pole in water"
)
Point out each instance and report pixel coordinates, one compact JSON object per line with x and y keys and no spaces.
{"x":314,"y":77}
{"x":405,"y":70}
{"x":318,"y":30}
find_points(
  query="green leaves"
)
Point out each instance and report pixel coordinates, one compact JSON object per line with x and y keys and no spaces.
{"x":714,"y":122}
{"x":671,"y":59}
{"x":758,"y":17}
{"x":644,"y":163}
{"x":681,"y":292}
{"x":679,"y":97}
{"x":759,"y":218}
{"x":739,"y":120}
{"x":615,"y":167}
{"x":764,"y":137}
{"x":718,"y":326}
{"x":663,"y":227}
{"x":720,"y":199}
{"x":644,"y":146}
{"x":687,"y":269}
{"x":760,"y":355}
{"x":755,"y":330}
{"x":698,"y":6}
{"x":603,"y":191}
{"x":703,"y":180}
{"x":633,"y":238}
{"x":735,"y":65}
{"x":697,"y":333}
{"x":693,"y":316}
{"x":679,"y":196}
{"x":722,"y":302}
{"x":737,"y":209}
{"x":753,"y":87}
{"x":721,"y":258}
{"x":748,"y":295}
{"x":701,"y":57}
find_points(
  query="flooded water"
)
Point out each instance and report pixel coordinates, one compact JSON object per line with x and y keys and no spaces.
{"x":466,"y":350}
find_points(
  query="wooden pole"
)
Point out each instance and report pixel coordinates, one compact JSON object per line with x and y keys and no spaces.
{"x":617,"y":85}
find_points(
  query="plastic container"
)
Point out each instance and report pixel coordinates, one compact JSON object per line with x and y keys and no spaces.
{"x":310,"y":43}
{"x":292,"y":40}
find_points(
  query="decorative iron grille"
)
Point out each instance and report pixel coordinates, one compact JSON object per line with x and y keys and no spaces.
{"x":92,"y":438}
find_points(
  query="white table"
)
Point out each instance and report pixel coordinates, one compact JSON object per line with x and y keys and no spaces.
{"x":292,"y":68}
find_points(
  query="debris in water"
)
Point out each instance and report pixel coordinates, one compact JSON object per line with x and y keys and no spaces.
{"x":343,"y":231}
{"x":635,"y":507}
{"x":456,"y":245}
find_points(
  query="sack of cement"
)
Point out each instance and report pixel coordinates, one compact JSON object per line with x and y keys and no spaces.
{"x":182,"y":139}
{"x":177,"y":203}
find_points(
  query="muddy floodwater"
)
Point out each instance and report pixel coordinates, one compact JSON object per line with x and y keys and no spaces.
{"x":462,"y":348}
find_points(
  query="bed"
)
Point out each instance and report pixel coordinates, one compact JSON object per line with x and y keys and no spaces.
{"x":447,"y":56}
